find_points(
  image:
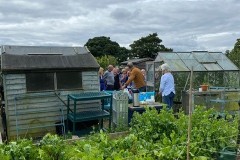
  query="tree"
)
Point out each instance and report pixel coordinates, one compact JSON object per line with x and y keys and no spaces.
{"x":105,"y":60}
{"x":124,"y":53}
{"x":234,"y":54}
{"x":100,"y":46}
{"x":148,"y":46}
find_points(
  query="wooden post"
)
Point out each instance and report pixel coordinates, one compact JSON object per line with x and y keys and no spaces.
{"x":190,"y":115}
{"x":1,"y":138}
{"x":238,"y":137}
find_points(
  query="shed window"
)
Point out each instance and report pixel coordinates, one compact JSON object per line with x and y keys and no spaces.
{"x":69,"y":80}
{"x":45,"y":81}
{"x":39,"y":81}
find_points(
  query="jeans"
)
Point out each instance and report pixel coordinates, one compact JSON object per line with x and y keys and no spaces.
{"x":110,"y":87}
{"x":169,"y":100}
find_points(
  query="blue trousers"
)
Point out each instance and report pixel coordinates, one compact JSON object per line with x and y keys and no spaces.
{"x":110,"y":87}
{"x":169,"y":100}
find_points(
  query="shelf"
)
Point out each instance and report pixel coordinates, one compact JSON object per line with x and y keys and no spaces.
{"x":223,"y":101}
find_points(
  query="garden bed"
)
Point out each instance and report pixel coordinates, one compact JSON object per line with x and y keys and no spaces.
{"x":152,"y":136}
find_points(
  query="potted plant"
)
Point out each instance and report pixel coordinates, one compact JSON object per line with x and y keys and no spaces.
{"x":204,"y":87}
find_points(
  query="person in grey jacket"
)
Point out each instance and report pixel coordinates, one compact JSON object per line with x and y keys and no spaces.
{"x":108,"y":77}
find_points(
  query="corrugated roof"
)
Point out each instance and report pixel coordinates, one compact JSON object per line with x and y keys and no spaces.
{"x":137,"y":60}
{"x":37,"y":58}
{"x":199,"y":60}
{"x":28,"y":50}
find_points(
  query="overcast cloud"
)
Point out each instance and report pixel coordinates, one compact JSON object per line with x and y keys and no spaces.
{"x":183,"y":25}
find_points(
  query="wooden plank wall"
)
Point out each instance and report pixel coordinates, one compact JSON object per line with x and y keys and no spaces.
{"x":15,"y":86}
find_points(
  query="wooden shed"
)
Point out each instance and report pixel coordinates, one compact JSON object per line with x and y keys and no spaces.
{"x":36,"y":81}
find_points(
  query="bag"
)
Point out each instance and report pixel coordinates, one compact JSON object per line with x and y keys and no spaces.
{"x":128,"y":92}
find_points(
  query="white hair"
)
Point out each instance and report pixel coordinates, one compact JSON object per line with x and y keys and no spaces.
{"x":130,"y":64}
{"x":165,"y":67}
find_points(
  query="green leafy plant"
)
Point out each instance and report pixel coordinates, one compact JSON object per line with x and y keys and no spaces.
{"x":51,"y":147}
{"x":3,"y":154}
{"x":209,"y":134}
{"x":22,"y":149}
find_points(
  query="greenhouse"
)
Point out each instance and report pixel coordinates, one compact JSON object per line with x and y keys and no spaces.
{"x":211,"y":68}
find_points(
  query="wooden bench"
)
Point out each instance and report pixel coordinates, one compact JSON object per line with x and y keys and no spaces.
{"x":97,"y":113}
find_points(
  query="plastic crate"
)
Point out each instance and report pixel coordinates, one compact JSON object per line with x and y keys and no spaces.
{"x":228,"y":153}
{"x":107,"y":102}
{"x":143,"y":96}
{"x":120,"y":120}
{"x":120,"y":109}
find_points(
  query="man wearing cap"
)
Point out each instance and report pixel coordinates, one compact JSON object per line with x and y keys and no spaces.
{"x":137,"y":77}
{"x":167,"y":88}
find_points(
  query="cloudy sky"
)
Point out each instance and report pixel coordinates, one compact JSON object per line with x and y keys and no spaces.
{"x":184,"y":25}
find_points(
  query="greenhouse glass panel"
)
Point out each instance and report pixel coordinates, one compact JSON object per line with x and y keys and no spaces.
{"x":226,"y":65}
{"x":150,"y":72}
{"x":193,"y":63}
{"x":212,"y":67}
{"x":157,"y":64}
{"x":203,"y":57}
{"x":223,"y":61}
{"x":218,"y":55}
{"x":158,"y":59}
{"x":216,"y":78}
{"x":157,"y":73}
{"x":168,"y":55}
{"x":232,"y":79}
{"x":176,"y":65}
{"x":186,"y":55}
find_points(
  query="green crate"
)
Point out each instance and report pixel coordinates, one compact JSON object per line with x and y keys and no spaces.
{"x":228,"y":153}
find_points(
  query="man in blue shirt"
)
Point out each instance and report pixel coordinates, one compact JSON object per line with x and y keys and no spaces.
{"x":167,"y":88}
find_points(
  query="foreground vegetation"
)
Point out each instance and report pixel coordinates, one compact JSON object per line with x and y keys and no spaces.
{"x":152,"y":136}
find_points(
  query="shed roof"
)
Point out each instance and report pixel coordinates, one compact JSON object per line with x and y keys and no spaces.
{"x":137,"y":60}
{"x":199,"y":60}
{"x":42,"y":57}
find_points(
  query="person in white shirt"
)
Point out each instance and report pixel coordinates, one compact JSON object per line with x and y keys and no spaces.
{"x":167,"y":88}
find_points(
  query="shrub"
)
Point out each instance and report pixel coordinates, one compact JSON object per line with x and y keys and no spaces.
{"x":209,"y":134}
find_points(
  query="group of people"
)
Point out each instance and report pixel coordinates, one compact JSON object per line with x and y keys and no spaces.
{"x":128,"y":77}
{"x":133,"y":77}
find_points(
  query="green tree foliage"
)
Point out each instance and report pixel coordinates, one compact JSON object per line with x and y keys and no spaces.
{"x":105,"y":60}
{"x":148,"y":46}
{"x":124,"y":53}
{"x":234,"y":54}
{"x":101,"y":46}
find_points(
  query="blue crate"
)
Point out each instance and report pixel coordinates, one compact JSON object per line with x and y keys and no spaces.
{"x":143,"y":96}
